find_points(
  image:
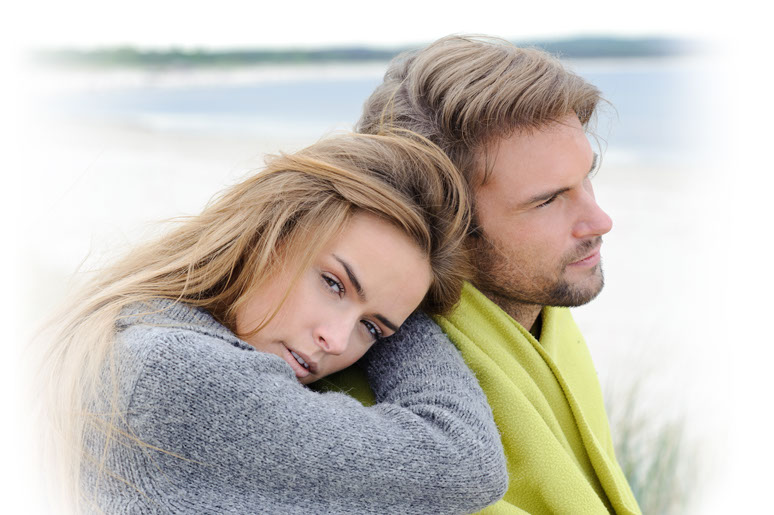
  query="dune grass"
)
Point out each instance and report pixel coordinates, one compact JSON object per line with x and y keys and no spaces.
{"x":659,"y":461}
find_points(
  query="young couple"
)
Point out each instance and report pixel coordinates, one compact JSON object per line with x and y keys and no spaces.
{"x":179,"y":375}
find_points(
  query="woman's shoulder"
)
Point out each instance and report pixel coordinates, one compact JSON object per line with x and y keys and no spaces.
{"x":173,"y":342}
{"x":146,"y":322}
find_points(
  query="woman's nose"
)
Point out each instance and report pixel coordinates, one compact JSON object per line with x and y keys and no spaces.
{"x":333,"y":337}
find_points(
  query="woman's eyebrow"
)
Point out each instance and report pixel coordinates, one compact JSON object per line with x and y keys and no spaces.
{"x":352,"y":278}
{"x":361,"y":294}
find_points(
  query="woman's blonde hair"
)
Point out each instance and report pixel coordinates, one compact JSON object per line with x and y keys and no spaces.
{"x":214,"y":260}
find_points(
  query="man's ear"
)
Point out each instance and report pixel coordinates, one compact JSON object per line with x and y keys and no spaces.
{"x":475,"y":231}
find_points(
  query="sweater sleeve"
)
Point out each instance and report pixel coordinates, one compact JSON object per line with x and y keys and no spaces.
{"x":232,"y":422}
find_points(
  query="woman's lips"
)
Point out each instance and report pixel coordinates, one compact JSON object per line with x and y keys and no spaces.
{"x":299,"y":369}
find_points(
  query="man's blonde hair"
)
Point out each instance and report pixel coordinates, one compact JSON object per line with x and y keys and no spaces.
{"x":465,"y":92}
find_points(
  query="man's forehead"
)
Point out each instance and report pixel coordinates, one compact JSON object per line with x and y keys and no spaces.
{"x":519,"y":151}
{"x":525,"y":166}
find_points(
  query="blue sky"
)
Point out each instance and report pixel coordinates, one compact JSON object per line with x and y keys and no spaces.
{"x":235,"y":23}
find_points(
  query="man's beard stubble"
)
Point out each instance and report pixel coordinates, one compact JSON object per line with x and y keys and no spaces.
{"x":499,"y":277}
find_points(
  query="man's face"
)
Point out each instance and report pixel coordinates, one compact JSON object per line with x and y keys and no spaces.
{"x":541,"y":226}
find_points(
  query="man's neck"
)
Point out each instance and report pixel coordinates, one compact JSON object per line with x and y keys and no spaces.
{"x":528,"y":315}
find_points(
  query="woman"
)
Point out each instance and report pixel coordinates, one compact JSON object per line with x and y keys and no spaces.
{"x":311,"y":262}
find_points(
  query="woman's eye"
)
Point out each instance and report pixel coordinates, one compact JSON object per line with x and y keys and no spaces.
{"x":373,"y":329}
{"x":333,"y":284}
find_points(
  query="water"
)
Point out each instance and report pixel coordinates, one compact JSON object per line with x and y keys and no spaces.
{"x":657,"y":112}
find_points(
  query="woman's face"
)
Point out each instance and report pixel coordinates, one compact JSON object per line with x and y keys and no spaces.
{"x":359,"y":288}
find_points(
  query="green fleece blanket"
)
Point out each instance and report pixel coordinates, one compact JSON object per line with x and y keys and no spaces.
{"x":547,"y":403}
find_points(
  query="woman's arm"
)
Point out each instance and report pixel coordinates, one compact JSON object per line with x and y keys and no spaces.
{"x":237,"y":424}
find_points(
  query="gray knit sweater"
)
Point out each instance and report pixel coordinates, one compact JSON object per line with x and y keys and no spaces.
{"x":227,"y":429}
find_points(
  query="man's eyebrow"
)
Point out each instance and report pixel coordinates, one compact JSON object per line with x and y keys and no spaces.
{"x":352,"y":278}
{"x":542,"y":197}
{"x":361,"y":294}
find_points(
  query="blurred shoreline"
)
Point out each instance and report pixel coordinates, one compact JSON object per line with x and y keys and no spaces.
{"x":53,"y":79}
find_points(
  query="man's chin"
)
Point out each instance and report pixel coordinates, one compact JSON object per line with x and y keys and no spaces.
{"x":572,"y":295}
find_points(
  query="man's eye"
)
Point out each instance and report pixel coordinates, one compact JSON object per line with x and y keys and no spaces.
{"x":595,"y":164}
{"x":334,"y":284}
{"x":373,"y":329}
{"x":544,"y":204}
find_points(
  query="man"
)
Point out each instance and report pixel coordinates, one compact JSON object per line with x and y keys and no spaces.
{"x":513,"y":120}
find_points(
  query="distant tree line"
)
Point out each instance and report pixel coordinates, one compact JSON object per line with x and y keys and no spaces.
{"x":601,"y":47}
{"x":589,"y":47}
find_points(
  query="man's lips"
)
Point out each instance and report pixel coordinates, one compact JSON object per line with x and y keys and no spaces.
{"x":590,"y":259}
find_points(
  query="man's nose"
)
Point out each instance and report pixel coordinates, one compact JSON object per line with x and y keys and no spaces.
{"x":593,"y":221}
{"x":333,"y":337}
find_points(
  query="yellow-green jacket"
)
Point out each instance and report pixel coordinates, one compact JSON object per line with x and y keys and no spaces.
{"x":547,"y":403}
